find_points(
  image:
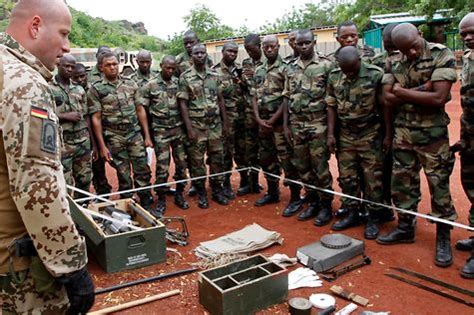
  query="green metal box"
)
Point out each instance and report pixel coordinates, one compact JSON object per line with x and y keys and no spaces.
{"x":123,"y":251}
{"x":243,"y":287}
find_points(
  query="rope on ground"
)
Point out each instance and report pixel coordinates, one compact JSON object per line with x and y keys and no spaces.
{"x":328,"y":191}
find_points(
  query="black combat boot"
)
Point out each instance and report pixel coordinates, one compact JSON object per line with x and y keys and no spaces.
{"x":342,"y":212}
{"x":244,"y":187}
{"x":403,"y":233}
{"x":465,"y":245}
{"x":444,"y":255}
{"x":272,"y":196}
{"x":468,"y":270}
{"x":203,"y":202}
{"x":218,"y":195}
{"x":385,"y":215}
{"x":160,"y":207}
{"x":352,"y":219}
{"x":325,"y":214}
{"x":192,"y":190}
{"x":227,"y":189}
{"x":371,"y":226}
{"x":179,"y":198}
{"x":295,"y":204}
{"x":313,"y":208}
{"x":255,"y":187}
{"x":146,"y":200}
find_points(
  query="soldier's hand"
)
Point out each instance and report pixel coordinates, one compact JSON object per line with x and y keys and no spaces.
{"x":192,"y":135}
{"x":396,"y":88}
{"x":95,"y":154}
{"x":331,"y":143}
{"x":248,"y":73}
{"x":288,"y":135}
{"x":80,"y":291}
{"x":148,"y":143}
{"x":105,"y":154}
{"x":73,"y":116}
{"x":387,"y":144}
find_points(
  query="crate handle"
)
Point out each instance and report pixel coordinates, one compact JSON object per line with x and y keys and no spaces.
{"x":136,"y":241}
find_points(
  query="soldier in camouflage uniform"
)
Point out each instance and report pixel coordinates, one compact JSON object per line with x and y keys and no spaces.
{"x":230,"y":74}
{"x":112,"y":103}
{"x":183,"y":63}
{"x":79,"y":76}
{"x":305,"y":114}
{"x":35,"y":216}
{"x":352,"y":92}
{"x":275,"y":150}
{"x":203,"y":111}
{"x":421,"y":134}
{"x":159,"y":96}
{"x":249,"y":179}
{"x":99,"y":176}
{"x":144,"y":74}
{"x":73,"y":113}
{"x":292,"y":43}
{"x":466,"y":144}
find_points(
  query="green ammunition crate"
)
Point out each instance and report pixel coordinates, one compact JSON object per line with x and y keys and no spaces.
{"x":243,"y":287}
{"x":127,"y":250}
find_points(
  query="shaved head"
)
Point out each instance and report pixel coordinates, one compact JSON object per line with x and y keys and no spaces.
{"x":408,"y":40}
{"x":42,"y":27}
{"x":349,"y":60}
{"x":230,"y":45}
{"x":144,"y":54}
{"x":466,"y":30}
{"x":168,"y":58}
{"x":270,"y":39}
{"x":68,"y":58}
{"x":467,"y":20}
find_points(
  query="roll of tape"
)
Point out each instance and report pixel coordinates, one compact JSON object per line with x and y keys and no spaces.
{"x":300,"y":306}
{"x":322,"y":301}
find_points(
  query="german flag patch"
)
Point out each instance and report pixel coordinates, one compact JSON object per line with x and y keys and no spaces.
{"x":39,"y":112}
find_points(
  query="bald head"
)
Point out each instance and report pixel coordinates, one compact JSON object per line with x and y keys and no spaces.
{"x":270,"y":39}
{"x":230,"y":45}
{"x":68,"y":58}
{"x":467,"y":20}
{"x":42,"y":27}
{"x":466,"y":30}
{"x":349,"y":61}
{"x":408,"y":40}
{"x":143,"y":54}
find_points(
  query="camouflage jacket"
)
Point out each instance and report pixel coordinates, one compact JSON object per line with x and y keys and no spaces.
{"x":184,"y":62}
{"x":141,"y":79}
{"x":467,"y":94}
{"x":94,"y":75}
{"x":116,"y":102}
{"x":159,"y":96}
{"x":305,"y":86}
{"x":436,"y":64}
{"x":385,"y":59}
{"x":269,"y":86}
{"x":355,"y":100}
{"x":289,"y":59}
{"x":33,"y":191}
{"x":231,"y":90}
{"x":249,"y":82}
{"x":201,"y":90}
{"x":72,"y":99}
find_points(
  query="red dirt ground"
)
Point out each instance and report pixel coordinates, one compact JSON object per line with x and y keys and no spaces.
{"x":384,"y":294}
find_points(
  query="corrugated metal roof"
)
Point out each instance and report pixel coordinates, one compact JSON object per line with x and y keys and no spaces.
{"x":405,"y":17}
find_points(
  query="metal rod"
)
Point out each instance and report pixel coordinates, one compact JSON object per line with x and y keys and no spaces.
{"x":146,"y":280}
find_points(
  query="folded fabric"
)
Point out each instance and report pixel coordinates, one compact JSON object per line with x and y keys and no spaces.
{"x":283,"y":260}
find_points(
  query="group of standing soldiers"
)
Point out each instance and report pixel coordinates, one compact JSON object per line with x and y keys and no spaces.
{"x":383,"y":116}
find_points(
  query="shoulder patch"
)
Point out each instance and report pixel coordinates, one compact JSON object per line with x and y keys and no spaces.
{"x":48,"y":136}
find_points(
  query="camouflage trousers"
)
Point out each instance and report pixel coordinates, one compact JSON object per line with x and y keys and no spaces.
{"x":128,"y":150}
{"x":23,"y":298}
{"x":467,"y":174}
{"x":251,"y":134}
{"x":77,"y":164}
{"x":167,"y":143}
{"x":426,"y":148}
{"x":360,"y":163}
{"x":311,"y":156}
{"x":275,"y":154}
{"x":209,"y":141}
{"x":234,"y":144}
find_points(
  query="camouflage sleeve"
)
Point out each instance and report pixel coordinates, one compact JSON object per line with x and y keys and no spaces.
{"x":85,"y":107}
{"x":445,"y":68}
{"x":93,"y":101}
{"x":143,"y":96}
{"x":32,"y":147}
{"x":330,"y":98}
{"x":182,"y":89}
{"x":286,"y":88}
{"x":388,"y":79}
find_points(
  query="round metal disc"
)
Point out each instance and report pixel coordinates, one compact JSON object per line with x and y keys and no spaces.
{"x":322,"y":301}
{"x":336,"y":241}
{"x":300,"y":306}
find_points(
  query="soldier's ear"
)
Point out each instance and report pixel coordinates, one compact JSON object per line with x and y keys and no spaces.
{"x":34,"y":27}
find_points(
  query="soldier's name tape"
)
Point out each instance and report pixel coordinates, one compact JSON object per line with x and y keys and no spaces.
{"x":335,"y":193}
